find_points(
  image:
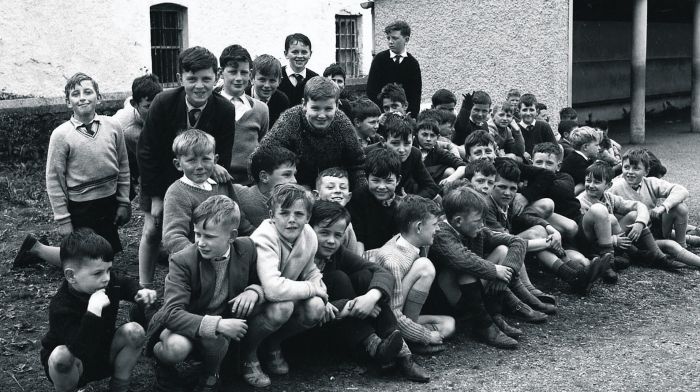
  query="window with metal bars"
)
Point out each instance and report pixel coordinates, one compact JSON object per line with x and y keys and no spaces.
{"x":347,"y":44}
{"x":167,"y":25}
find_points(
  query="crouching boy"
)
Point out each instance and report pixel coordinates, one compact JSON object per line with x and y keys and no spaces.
{"x":82,"y":344}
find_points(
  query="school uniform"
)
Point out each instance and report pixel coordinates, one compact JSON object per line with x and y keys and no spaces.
{"x":294,"y":90}
{"x":575,"y":165}
{"x":276,"y":105}
{"x":405,"y":71}
{"x":536,"y":133}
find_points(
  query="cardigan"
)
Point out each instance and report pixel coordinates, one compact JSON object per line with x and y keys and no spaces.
{"x":373,"y":222}
{"x":289,"y":278}
{"x":415,"y":178}
{"x":316,"y":150}
{"x":616,"y":205}
{"x":277,"y":104}
{"x":82,"y":167}
{"x":539,"y":133}
{"x":253,"y":203}
{"x":575,"y":165}
{"x":250,"y":128}
{"x":651,"y":189}
{"x":294,"y":93}
{"x":167,"y":117}
{"x":384,"y":70}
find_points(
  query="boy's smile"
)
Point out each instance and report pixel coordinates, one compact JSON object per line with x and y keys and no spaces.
{"x":289,"y":222}
{"x":528,"y":113}
{"x":382,"y":189}
{"x":298,"y":55}
{"x":198,"y":85}
{"x":197,"y":167}
{"x":633,"y":174}
{"x":479,"y":112}
{"x":546,"y":161}
{"x":502,"y":119}
{"x":595,"y":188}
{"x":83,"y":100}
{"x":213,"y":239}
{"x":320,"y":113}
{"x":330,"y":237}
{"x":400,"y":146}
{"x":334,"y":189}
{"x":265,"y":86}
{"x":236,"y":78}
{"x":368,"y":127}
{"x":482,"y":152}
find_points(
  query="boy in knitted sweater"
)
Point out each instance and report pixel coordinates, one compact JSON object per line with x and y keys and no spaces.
{"x":294,"y":291}
{"x":413,"y":274}
{"x":195,"y":158}
{"x":210,"y":291}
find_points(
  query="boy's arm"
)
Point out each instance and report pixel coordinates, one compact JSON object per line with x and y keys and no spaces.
{"x":491,"y":219}
{"x":451,"y":252}
{"x":79,"y":330}
{"x":414,"y":88}
{"x":547,"y":133}
{"x":374,"y":80}
{"x":622,"y":206}
{"x":350,"y":241}
{"x":124,"y":180}
{"x":426,"y":185}
{"x":264,"y":122}
{"x":225,"y":134}
{"x":518,"y":140}
{"x":56,"y":187}
{"x":354,"y":154}
{"x":351,"y":263}
{"x":128,"y":287}
{"x":245,"y":228}
{"x":148,"y":151}
{"x":675,"y":194}
{"x":517,"y":247}
{"x":177,"y":215}
{"x":447,"y":158}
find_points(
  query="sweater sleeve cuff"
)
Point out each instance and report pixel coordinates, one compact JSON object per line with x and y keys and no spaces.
{"x":258,"y":290}
{"x":207,"y":328}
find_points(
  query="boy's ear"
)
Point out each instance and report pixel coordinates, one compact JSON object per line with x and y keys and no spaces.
{"x":608,"y":185}
{"x":264,"y":177}
{"x":398,"y":178}
{"x":234,"y":234}
{"x":316,"y":194}
{"x":176,"y":163}
{"x":179,"y":78}
{"x":69,"y":273}
{"x":418,"y":226}
{"x":407,"y":38}
{"x":216,"y":158}
{"x":133,"y":103}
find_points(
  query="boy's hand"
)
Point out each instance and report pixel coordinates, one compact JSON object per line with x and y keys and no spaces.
{"x":123,"y":215}
{"x":321,"y":291}
{"x":364,"y":304}
{"x":98,"y":300}
{"x":656,"y":212}
{"x":635,"y":231}
{"x":146,"y":296}
{"x":375,"y":311}
{"x":330,"y":313}
{"x":221,"y":175}
{"x":435,"y":337}
{"x":504,"y":273}
{"x":243,"y":304}
{"x":157,"y":210}
{"x":623,"y":242}
{"x":65,"y":229}
{"x":233,"y":328}
{"x":347,"y":309}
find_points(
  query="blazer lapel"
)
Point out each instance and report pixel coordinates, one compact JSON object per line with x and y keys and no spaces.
{"x":181,"y":111}
{"x":238,"y":270}
{"x":207,"y":280}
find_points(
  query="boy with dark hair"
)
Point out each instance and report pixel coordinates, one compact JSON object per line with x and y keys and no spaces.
{"x":569,"y":114}
{"x":82,"y":344}
{"x":252,"y":116}
{"x":472,"y":115}
{"x":445,"y":121}
{"x":585,"y":143}
{"x":392,"y":98}
{"x":396,"y":65}
{"x":417,"y":218}
{"x":542,"y":112}
{"x":336,"y":74}
{"x":534,"y":131}
{"x":297,"y":50}
{"x":443,"y":166}
{"x":565,"y":127}
{"x":319,"y":134}
{"x":193,"y":105}
{"x":365,"y":119}
{"x":269,"y":167}
{"x":444,"y":99}
{"x":509,"y":139}
{"x":360,"y":291}
{"x":267,"y":72}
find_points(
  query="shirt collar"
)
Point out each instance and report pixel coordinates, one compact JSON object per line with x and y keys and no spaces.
{"x":76,"y":123}
{"x":403,"y":54}
{"x":206,"y":185}
{"x":190,"y":107}
{"x":291,"y":72}
{"x":224,"y":257}
{"x":404,"y":243}
{"x":502,"y":210}
{"x":523,"y":125}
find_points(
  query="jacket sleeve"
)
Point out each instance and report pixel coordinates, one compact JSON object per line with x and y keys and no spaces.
{"x":149,"y":151}
{"x":517,"y":247}
{"x":382,"y":279}
{"x":374,"y":79}
{"x":79,"y":330}
{"x":491,"y":220}
{"x":414,"y":88}
{"x":124,"y":179}
{"x":354,"y":154}
{"x":426,"y":185}
{"x":622,"y":206}
{"x":449,"y":252}
{"x":226,"y":133}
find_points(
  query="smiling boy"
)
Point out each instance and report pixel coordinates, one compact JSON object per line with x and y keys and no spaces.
{"x":297,"y":50}
{"x":534,"y":131}
{"x":266,"y":75}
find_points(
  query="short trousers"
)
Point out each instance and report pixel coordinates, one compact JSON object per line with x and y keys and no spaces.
{"x":97,"y":367}
{"x":98,"y":215}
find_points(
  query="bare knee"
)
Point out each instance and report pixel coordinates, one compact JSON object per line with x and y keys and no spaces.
{"x":151,"y":233}
{"x":545,"y":207}
{"x":62,"y":360}
{"x":279,"y":313}
{"x":447,"y":326}
{"x":133,"y":334}
{"x":174,"y":348}
{"x":498,"y":254}
{"x":598,"y":211}
{"x":313,"y":310}
{"x":533,"y":233}
{"x":424,"y":267}
{"x":680,"y":210}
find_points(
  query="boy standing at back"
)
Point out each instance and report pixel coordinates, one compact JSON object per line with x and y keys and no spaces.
{"x":297,"y":50}
{"x":396,"y":65}
{"x":267,"y":72}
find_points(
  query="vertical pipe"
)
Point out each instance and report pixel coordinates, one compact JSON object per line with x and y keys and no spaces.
{"x":695,"y":92}
{"x":638,"y":71}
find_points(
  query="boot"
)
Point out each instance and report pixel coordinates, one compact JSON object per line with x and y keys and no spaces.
{"x":667,"y":263}
{"x":526,"y":296}
{"x":507,"y":329}
{"x":167,"y":378}
{"x":411,"y":370}
{"x":518,"y":309}
{"x":580,"y":278}
{"x":389,"y":348}
{"x":494,"y":337}
{"x":609,"y":276}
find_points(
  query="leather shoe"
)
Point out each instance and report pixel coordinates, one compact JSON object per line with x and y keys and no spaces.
{"x":667,"y":263}
{"x":621,"y":262}
{"x":494,"y":337}
{"x":598,"y":266}
{"x":253,"y":374}
{"x":167,"y":378}
{"x":411,"y":370}
{"x":276,"y":364}
{"x":389,"y":348}
{"x":544,"y":308}
{"x":24,"y":257}
{"x":525,"y":313}
{"x":208,"y":384}
{"x":506,"y":328}
{"x":426,"y":349}
{"x":609,"y":276}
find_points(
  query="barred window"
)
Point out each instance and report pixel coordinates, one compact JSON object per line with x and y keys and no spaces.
{"x":167,"y":28}
{"x":347,"y":44}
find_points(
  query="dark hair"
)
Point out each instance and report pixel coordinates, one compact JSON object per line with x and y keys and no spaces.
{"x":399,"y":126}
{"x":284,"y":196}
{"x":507,"y":169}
{"x":84,"y":244}
{"x":443,"y":96}
{"x":600,"y":124}
{"x":568,"y":114}
{"x":463,"y":200}
{"x":540,"y":106}
{"x":506,"y":106}
{"x":656,"y":168}
{"x":448,"y":117}
{"x":325,"y":213}
{"x":547,"y":148}
{"x":217,"y":209}
{"x":514,"y":92}
{"x":528,"y":100}
{"x":337,"y":172}
{"x":267,"y":65}
{"x":481,"y":98}
{"x":334,"y":69}
{"x":78,"y":78}
{"x":431,"y":114}
{"x":382,"y":163}
{"x":414,"y":208}
{"x":478,"y":138}
{"x":566,"y":126}
{"x":394,"y":92}
{"x":146,"y":86}
{"x":601,"y":171}
{"x":458,"y":183}
{"x":319,"y":88}
{"x":296,"y":37}
{"x":196,"y":59}
{"x":269,"y":158}
{"x":363,"y":108}
{"x":428,"y":124}
{"x":233,"y":55}
{"x":400,"y":26}
{"x":483,"y":166}
{"x":636,"y":156}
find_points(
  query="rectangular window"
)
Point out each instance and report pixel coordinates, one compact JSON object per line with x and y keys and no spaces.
{"x":167,"y":25}
{"x":347,"y":44}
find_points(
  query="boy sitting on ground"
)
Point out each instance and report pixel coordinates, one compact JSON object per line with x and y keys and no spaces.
{"x":565,"y":127}
{"x":210,"y":291}
{"x":442,"y":166}
{"x":82,"y":344}
{"x":365,"y":119}
{"x":472,"y":116}
{"x":534,"y":131}
{"x":333,"y":185}
{"x":445,"y":121}
{"x":585,"y":142}
{"x":393,"y":99}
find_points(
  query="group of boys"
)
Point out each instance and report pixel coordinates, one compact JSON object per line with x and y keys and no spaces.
{"x":266,"y":240}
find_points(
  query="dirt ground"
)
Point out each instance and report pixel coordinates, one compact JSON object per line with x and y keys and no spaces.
{"x":642,"y":334}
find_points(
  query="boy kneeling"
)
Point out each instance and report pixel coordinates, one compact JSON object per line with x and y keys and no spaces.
{"x":82,"y":344}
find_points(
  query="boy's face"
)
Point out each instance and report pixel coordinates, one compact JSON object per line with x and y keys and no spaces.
{"x":298,"y":55}
{"x":236,"y":78}
{"x":482,"y":152}
{"x":426,"y":138}
{"x":197,"y":168}
{"x":482,"y":183}
{"x":83,"y":99}
{"x":514,"y":100}
{"x":546,"y":161}
{"x":400,"y":146}
{"x":198,"y":85}
{"x":426,"y":230}
{"x":543,"y":115}
{"x":468,"y":224}
{"x":142,"y":107}
{"x":504,"y":191}
{"x":367,"y":127}
{"x":382,"y":188}
{"x":446,"y":129}
{"x":480,"y":112}
{"x":633,"y":174}
{"x":450,"y":107}
{"x":502,"y":118}
{"x":389,"y":106}
{"x":528,"y":113}
{"x":339,"y":81}
{"x":283,"y":174}
{"x":89,"y":275}
{"x":595,"y":188}
{"x":397,"y":42}
{"x":330,"y":237}
{"x":591,"y":150}
{"x":265,"y":86}
{"x":320,"y":113}
{"x":335,"y":189}
{"x":214,"y":240}
{"x":290,"y":222}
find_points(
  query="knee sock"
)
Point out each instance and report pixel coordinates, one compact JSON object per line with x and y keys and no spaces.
{"x":602,"y":249}
{"x":519,"y":289}
{"x":525,"y":279}
{"x":371,"y":343}
{"x":471,"y":303}
{"x":119,"y":385}
{"x":646,"y":242}
{"x":213,"y":356}
{"x":405,"y":351}
{"x":687,"y":257}
{"x":414,"y":303}
{"x":568,"y":272}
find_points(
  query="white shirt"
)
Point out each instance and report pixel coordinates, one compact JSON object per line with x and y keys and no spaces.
{"x":402,"y":55}
{"x":524,"y":126}
{"x":291,"y":72}
{"x":241,"y":103}
{"x":206,"y":185}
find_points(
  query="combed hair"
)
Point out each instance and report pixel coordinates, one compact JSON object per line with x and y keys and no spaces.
{"x":319,"y":88}
{"x":414,"y":208}
{"x":284,"y":196}
{"x":506,"y":106}
{"x":363,"y":108}
{"x":430,"y":114}
{"x":528,"y":100}
{"x":217,"y":209}
{"x":514,"y":92}
{"x":269,"y":158}
{"x":507,"y":169}
{"x":400,"y":26}
{"x":463,"y":200}
{"x":481,"y":98}
{"x":337,"y":172}
{"x":78,"y":78}
{"x":566,"y":126}
{"x":601,"y":171}
{"x":428,"y":124}
{"x":483,"y":166}
{"x":233,"y":55}
{"x":448,"y":116}
{"x":399,"y":126}
{"x":326,"y":213}
{"x":146,"y":86}
{"x":582,"y":135}
{"x":193,"y":141}
{"x":382,"y":163}
{"x":84,"y":244}
{"x":296,"y":37}
{"x":393,"y":92}
{"x":547,"y":148}
{"x":459,"y":183}
{"x":636,"y":156}
{"x":479,"y":138}
{"x":540,"y":106}
{"x":196,"y":59}
{"x":334,"y":69}
{"x":267,"y":65}
{"x":443,"y":96}
{"x":568,"y":114}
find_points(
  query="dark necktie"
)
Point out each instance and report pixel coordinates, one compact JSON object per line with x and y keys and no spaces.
{"x":530,"y":128}
{"x":194,"y":116}
{"x":88,"y":128}
{"x":298,"y":78}
{"x":397,"y":59}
